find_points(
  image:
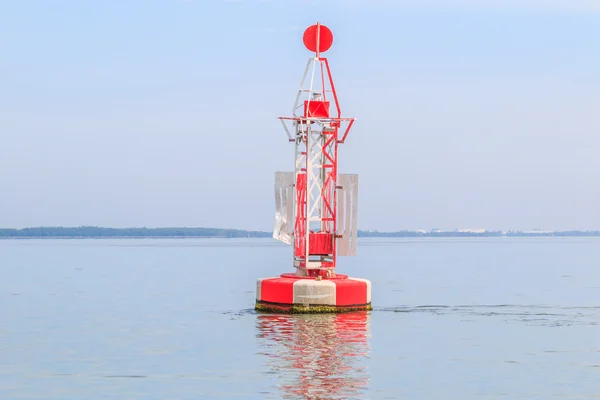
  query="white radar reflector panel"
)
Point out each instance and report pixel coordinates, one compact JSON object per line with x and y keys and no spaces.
{"x":347,"y":214}
{"x":284,"y":203}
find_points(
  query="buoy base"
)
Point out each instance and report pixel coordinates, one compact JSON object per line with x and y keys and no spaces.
{"x":303,"y":295}
{"x":265,"y":306}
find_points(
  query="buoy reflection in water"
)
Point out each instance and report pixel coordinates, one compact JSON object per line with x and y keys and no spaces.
{"x":316,"y":356}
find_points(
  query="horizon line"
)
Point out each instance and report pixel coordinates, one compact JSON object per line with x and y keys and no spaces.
{"x":431,"y":230}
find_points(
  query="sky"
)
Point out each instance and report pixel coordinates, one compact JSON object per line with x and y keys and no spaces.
{"x":163,"y":113}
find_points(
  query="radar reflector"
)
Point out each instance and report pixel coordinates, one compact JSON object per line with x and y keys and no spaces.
{"x":347,"y":213}
{"x":284,"y":203}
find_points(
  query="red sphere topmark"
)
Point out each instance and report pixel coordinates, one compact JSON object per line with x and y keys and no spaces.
{"x":324,"y":35}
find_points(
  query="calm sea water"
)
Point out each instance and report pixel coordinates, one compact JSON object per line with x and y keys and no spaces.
{"x":173,"y":319}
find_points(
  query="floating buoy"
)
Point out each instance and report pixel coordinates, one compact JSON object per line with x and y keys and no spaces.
{"x":316,"y":207}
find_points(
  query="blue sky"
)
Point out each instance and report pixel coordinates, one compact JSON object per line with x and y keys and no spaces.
{"x":163,"y":112}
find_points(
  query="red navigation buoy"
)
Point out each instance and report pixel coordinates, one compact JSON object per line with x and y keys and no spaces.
{"x":316,"y":207}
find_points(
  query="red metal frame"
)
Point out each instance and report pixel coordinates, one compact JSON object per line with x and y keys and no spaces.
{"x":328,"y":194}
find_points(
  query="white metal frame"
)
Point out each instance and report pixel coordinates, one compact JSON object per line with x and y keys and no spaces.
{"x":308,"y":137}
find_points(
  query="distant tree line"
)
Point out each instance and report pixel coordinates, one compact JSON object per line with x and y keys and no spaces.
{"x":99,"y":232}
{"x":563,"y":233}
{"x":475,"y":234}
{"x":428,"y":234}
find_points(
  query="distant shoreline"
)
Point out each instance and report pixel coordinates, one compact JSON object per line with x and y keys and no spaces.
{"x":92,"y":232}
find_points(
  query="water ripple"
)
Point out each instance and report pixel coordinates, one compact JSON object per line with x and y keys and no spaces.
{"x":546,"y":315}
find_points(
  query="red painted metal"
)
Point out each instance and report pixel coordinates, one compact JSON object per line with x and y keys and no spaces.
{"x":350,"y":292}
{"x":337,"y":102}
{"x":322,"y":240}
{"x":346,"y":132}
{"x":278,"y":290}
{"x":300,"y":223}
{"x":319,"y":243}
{"x":316,"y":109}
{"x":294,"y":276}
{"x":318,"y":38}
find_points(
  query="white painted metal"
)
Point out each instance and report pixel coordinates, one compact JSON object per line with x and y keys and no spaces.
{"x":302,"y":87}
{"x":284,"y":206}
{"x":287,"y":131}
{"x":310,"y":265}
{"x":309,"y":165}
{"x":347,"y":214}
{"x":307,"y":292}
{"x":308,"y":168}
{"x":309,"y":139}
